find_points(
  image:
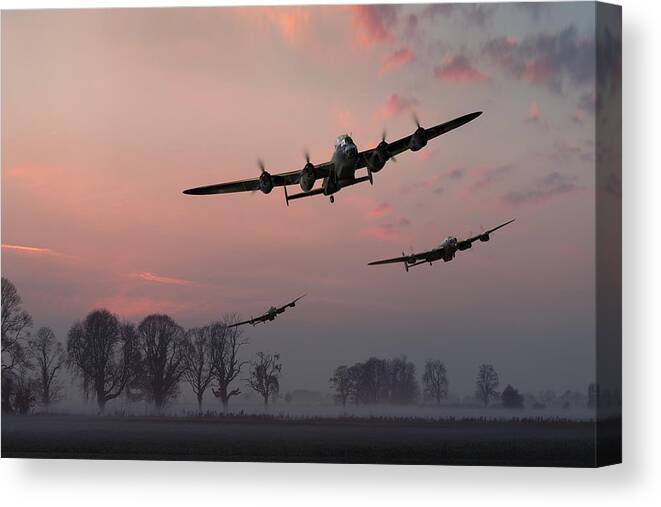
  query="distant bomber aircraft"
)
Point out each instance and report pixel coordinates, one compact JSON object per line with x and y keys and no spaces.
{"x":269,"y":315}
{"x":445,"y":251}
{"x":340,"y":172}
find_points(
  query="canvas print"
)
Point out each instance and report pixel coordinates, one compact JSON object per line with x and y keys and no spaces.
{"x":382,"y":234}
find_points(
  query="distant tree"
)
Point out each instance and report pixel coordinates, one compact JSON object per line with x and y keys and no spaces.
{"x":103,"y":354}
{"x":341,"y":382}
{"x":265,"y":375}
{"x":197,"y":362}
{"x":161,"y":345}
{"x":24,"y":396}
{"x":371,"y":381}
{"x":402,"y":383}
{"x":511,"y":398}
{"x":486,"y":384}
{"x":16,"y":324}
{"x":547,"y":397}
{"x":225,"y":343}
{"x":435,"y":380}
{"x":47,"y":357}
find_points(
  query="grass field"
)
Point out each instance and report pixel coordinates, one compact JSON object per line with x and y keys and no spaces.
{"x":525,"y":442}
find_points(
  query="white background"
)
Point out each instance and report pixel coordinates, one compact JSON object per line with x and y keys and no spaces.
{"x":100,"y":483}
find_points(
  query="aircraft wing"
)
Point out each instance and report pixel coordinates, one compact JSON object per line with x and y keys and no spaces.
{"x":474,"y":238}
{"x":401,"y":145}
{"x":252,"y":184}
{"x":253,"y":321}
{"x":422,"y":256}
{"x":292,"y":304}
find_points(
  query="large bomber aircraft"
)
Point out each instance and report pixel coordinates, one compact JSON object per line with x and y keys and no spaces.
{"x":269,"y":314}
{"x":340,"y":172}
{"x":445,"y":251}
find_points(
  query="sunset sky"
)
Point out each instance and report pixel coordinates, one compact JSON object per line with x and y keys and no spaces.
{"x":107,"y":115}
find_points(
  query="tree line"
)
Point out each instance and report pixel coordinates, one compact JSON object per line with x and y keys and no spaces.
{"x":394,"y":381}
{"x":148,"y":361}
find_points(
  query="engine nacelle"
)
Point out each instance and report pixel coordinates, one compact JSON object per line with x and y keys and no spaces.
{"x":308,"y":177}
{"x":265,"y":182}
{"x":464,"y":245}
{"x":379,"y":157}
{"x":484,"y":237}
{"x":418,"y":140}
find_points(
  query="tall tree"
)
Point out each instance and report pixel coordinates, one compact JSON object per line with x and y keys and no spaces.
{"x":161,"y":344}
{"x":197,"y":362}
{"x":103,"y":353}
{"x":402,"y":384}
{"x":225,"y":343}
{"x":341,"y":382}
{"x":265,"y":374}
{"x":47,"y":357}
{"x":486,"y":384}
{"x":16,"y":324}
{"x":435,"y":380}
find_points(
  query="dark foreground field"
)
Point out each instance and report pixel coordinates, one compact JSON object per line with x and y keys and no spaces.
{"x":351,"y":440}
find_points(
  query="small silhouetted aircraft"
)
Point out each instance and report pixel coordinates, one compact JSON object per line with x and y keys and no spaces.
{"x":340,"y":172}
{"x":269,"y":315}
{"x":445,"y":251}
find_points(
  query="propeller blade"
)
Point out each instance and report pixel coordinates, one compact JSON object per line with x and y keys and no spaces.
{"x":260,"y":162}
{"x":383,"y":135}
{"x":416,"y":120}
{"x":307,"y":156}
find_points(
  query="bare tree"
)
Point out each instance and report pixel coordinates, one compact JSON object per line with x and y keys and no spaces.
{"x":103,"y":353}
{"x":224,"y":344}
{"x":197,"y":362}
{"x":161,"y":344}
{"x":403,"y":386}
{"x":47,"y":356}
{"x":265,"y":374}
{"x":341,"y":381}
{"x":486,"y":384}
{"x":16,"y":324}
{"x":435,"y":380}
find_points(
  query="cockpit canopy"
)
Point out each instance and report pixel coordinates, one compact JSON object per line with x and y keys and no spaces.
{"x":343,"y":139}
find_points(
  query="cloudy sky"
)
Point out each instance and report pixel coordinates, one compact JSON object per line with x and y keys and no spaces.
{"x":108,"y":115}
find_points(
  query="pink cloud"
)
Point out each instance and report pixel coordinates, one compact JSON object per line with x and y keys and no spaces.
{"x":382,"y":209}
{"x":396,"y":104}
{"x":151,"y":277}
{"x":373,"y":24}
{"x":458,"y":69}
{"x":32,"y":250}
{"x":398,"y":58}
{"x":290,"y":21}
{"x":533,"y":112}
{"x":389,"y":231}
{"x":130,"y":306}
{"x":537,"y":71}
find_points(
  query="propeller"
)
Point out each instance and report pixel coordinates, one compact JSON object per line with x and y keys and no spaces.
{"x":416,"y":120}
{"x":265,"y":179}
{"x":383,"y":140}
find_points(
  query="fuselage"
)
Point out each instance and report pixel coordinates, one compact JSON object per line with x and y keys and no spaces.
{"x":345,"y":160}
{"x":446,"y":250}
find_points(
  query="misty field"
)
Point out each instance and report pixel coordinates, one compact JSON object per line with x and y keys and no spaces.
{"x":526,"y":442}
